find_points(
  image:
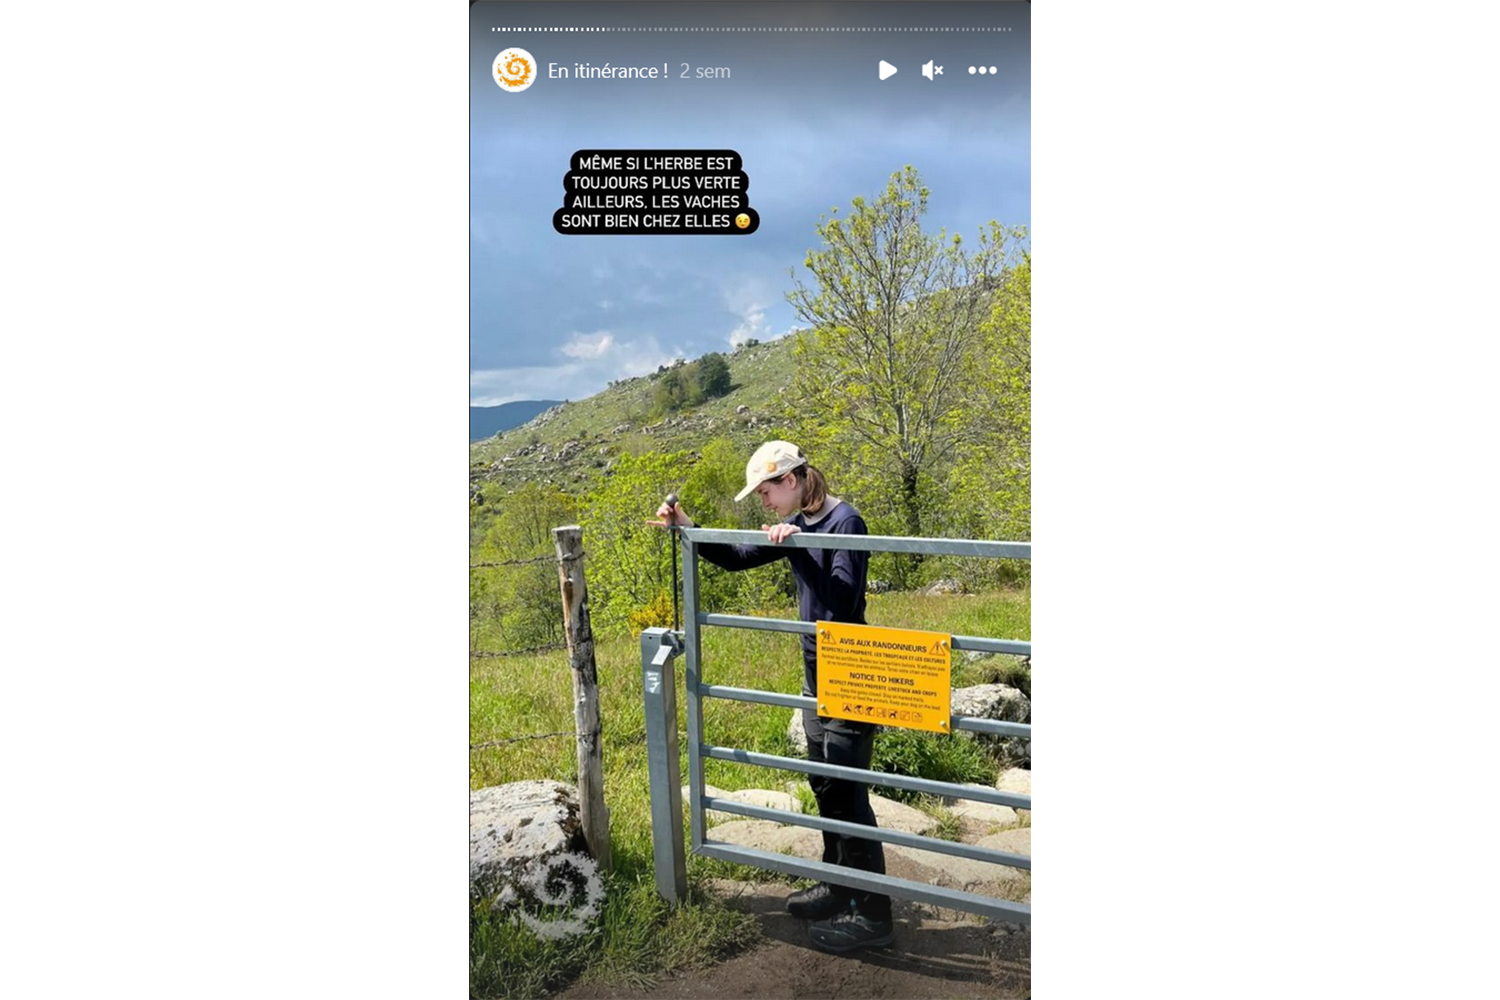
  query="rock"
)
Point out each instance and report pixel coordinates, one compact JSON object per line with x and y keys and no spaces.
{"x":995,"y":701}
{"x":514,"y":829}
{"x":774,"y":837}
{"x":621,"y":429}
{"x":983,"y":877}
{"x":1015,"y":779}
{"x":975,"y":655}
{"x":877,"y":587}
{"x":947,"y":585}
{"x":796,"y":733}
{"x":764,"y":797}
{"x":742,"y":408}
{"x":895,"y":815}
{"x":985,"y":814}
{"x":1017,"y":841}
{"x":991,"y":701}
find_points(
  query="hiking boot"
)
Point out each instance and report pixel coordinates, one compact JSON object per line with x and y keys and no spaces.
{"x":816,"y":903}
{"x":850,"y":930}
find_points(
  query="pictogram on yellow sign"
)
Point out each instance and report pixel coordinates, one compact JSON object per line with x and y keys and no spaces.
{"x":891,"y":676}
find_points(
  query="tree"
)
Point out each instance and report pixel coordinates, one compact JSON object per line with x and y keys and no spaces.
{"x":713,"y":375}
{"x":894,"y":325}
{"x":518,"y":605}
{"x":991,"y":481}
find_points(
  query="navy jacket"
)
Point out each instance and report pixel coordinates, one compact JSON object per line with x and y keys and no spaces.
{"x":830,"y":582}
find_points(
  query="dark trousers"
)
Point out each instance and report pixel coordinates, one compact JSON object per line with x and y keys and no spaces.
{"x":841,"y":741}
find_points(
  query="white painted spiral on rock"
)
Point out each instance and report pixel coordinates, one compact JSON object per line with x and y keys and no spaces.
{"x":579,"y":915}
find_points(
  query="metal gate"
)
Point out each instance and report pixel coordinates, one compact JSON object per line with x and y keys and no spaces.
{"x":659,"y":650}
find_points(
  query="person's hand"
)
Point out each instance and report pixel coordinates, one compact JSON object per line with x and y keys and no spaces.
{"x":669,"y":516}
{"x":779,"y":532}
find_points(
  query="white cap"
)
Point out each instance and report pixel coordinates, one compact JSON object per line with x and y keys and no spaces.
{"x":771,"y":460}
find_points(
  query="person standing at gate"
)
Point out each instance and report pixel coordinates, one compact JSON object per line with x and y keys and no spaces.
{"x":830,"y":587}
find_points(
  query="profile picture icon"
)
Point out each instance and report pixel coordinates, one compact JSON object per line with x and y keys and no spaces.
{"x":514,"y":70}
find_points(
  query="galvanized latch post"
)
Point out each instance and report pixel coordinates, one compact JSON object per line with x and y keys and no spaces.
{"x":659,"y":647}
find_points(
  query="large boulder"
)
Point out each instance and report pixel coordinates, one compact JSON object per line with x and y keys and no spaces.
{"x":766,"y":798}
{"x":1016,"y":841}
{"x":527,"y":853}
{"x":893,"y":815}
{"x":1014,"y":779}
{"x":987,"y":816}
{"x":996,"y":701}
{"x":777,"y":838}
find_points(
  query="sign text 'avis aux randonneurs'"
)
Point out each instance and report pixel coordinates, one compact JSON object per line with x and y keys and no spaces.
{"x":892,"y":676}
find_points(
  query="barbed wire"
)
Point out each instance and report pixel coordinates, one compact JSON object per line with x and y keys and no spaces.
{"x":627,"y":741}
{"x":528,"y":562}
{"x":517,"y":739}
{"x":489,"y":654}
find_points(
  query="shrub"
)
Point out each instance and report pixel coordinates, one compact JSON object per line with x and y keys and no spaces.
{"x":936,"y":756}
{"x":656,"y":613}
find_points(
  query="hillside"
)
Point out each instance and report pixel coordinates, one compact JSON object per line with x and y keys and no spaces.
{"x":487,"y":421}
{"x":570,"y":445}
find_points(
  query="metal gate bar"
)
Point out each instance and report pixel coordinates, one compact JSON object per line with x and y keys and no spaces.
{"x":868,"y":543}
{"x":881,"y":833}
{"x":977,"y":643}
{"x":1000,"y":909}
{"x":977,"y":793}
{"x":994,"y":727}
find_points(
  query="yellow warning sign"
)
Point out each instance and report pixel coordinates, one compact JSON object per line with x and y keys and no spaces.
{"x":892,"y":676}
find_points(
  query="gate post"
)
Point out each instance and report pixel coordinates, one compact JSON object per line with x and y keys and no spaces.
{"x":593,"y":812}
{"x":659,"y":647}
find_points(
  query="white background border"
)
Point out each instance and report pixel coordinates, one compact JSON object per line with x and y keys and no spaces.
{"x":233,"y":384}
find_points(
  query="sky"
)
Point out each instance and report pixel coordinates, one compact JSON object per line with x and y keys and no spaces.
{"x":558,"y":317}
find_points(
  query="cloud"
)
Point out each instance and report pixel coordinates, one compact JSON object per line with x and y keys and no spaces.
{"x":747,"y":300}
{"x":593,"y":345}
{"x":752,"y":325}
{"x":596,"y":359}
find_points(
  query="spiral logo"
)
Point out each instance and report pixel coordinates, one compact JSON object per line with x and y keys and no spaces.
{"x":559,"y":898}
{"x":515,"y":70}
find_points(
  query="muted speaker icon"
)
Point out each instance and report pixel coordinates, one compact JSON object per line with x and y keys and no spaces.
{"x":928,"y":71}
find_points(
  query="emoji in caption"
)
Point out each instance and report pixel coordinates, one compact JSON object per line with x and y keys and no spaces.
{"x":742,"y":220}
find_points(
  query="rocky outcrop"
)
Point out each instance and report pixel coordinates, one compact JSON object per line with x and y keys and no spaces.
{"x":764,"y":797}
{"x":996,"y":701}
{"x":986,"y":878}
{"x":516,"y":827}
{"x":984,"y":815}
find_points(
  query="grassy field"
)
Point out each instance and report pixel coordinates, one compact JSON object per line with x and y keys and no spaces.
{"x":639,"y":937}
{"x":758,"y":375}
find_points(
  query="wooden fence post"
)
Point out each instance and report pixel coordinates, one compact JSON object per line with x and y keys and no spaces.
{"x":569,"y":541}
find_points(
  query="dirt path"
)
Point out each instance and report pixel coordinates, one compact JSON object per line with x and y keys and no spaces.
{"x":939,"y":954}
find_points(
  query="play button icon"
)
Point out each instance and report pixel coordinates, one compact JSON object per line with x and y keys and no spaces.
{"x":886,"y":69}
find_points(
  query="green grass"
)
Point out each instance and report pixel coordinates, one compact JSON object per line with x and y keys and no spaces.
{"x":950,"y":824}
{"x":639,"y":938}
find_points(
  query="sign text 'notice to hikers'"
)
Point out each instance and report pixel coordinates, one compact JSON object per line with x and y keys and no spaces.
{"x":891,"y":676}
